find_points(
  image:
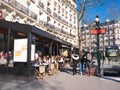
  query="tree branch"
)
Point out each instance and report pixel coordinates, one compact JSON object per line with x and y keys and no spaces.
{"x":82,"y":11}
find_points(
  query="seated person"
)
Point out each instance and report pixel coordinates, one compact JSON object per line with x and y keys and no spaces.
{"x":3,"y":61}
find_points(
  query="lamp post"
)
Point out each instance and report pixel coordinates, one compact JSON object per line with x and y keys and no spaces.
{"x":96,"y":32}
{"x":97,"y":25}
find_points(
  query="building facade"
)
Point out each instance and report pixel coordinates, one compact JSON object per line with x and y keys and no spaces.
{"x":57,"y":17}
{"x":47,"y":27}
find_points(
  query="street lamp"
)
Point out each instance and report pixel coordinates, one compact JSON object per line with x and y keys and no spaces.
{"x":97,"y":26}
{"x":96,"y":32}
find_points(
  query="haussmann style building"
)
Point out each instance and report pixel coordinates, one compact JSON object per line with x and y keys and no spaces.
{"x":27,"y":26}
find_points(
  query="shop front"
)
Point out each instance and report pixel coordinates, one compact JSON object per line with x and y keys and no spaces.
{"x":18,"y":45}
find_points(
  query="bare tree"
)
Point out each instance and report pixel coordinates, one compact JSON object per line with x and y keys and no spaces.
{"x":114,"y":12}
{"x":85,"y":5}
{"x":79,"y":26}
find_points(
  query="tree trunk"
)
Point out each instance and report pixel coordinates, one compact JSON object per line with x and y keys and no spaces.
{"x":79,"y":28}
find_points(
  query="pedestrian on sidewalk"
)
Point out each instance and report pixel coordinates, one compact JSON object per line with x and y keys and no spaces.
{"x":82,"y":63}
{"x":75,"y":59}
{"x":88,"y":63}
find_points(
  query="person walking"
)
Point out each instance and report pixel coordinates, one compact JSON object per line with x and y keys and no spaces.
{"x":88,"y":63}
{"x":75,"y":59}
{"x":83,"y":63}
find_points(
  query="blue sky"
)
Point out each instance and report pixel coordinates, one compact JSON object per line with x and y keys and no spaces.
{"x":105,"y":11}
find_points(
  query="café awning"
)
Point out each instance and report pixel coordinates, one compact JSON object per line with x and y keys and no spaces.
{"x":31,"y":29}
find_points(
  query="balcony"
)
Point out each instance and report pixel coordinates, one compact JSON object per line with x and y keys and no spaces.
{"x":59,"y":17}
{"x":56,"y":29}
{"x":33,"y":15}
{"x":20,"y":7}
{"x":16,"y":5}
{"x":49,"y":26}
{"x":64,"y":21}
{"x":63,"y":31}
{"x":54,"y":14}
{"x":40,"y":4}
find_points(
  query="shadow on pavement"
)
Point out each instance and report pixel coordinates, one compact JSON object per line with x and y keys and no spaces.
{"x":20,"y":83}
{"x":68,"y":70}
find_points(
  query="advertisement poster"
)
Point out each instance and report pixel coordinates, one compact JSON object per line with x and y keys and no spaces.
{"x":20,"y":50}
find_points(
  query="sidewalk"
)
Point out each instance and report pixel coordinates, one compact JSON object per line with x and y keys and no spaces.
{"x":60,"y":81}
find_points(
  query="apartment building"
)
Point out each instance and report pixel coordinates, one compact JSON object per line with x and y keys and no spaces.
{"x":111,"y":37}
{"x":57,"y":17}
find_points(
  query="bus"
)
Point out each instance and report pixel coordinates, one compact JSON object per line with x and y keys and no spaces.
{"x":112,"y":62}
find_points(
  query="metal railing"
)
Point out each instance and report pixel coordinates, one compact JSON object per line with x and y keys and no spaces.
{"x":20,"y":7}
{"x":15,"y":4}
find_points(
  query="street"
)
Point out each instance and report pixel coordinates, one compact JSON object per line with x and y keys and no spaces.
{"x":54,"y":39}
{"x":60,"y":81}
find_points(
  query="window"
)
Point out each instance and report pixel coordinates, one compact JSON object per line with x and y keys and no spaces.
{"x":55,"y":4}
{"x":54,"y":9}
{"x":40,"y":13}
{"x":48,"y":18}
{"x":58,"y":24}
{"x":62,"y":10}
{"x":59,"y":7}
{"x":11,"y":36}
{"x":117,"y":31}
{"x":54,"y":22}
{"x":62,"y":27}
{"x":49,"y":10}
{"x":58,"y":12}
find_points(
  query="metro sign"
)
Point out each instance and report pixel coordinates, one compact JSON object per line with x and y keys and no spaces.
{"x":0,"y":14}
{"x":100,"y":31}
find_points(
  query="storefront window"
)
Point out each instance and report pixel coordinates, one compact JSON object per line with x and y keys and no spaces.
{"x":8,"y":38}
